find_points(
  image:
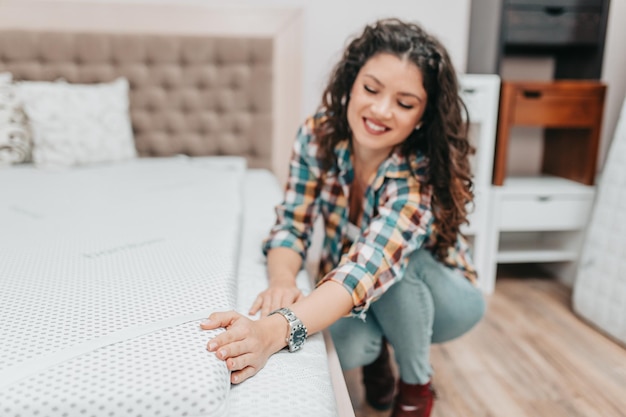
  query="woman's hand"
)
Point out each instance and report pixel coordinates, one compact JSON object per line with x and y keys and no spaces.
{"x":283,"y":265}
{"x":246,"y":345}
{"x":276,"y":296}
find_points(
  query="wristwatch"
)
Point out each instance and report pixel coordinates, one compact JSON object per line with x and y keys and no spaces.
{"x":297,"y":330}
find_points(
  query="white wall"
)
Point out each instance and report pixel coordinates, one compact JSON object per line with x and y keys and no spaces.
{"x":329,"y":23}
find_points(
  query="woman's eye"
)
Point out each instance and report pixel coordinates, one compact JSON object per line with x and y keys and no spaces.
{"x":369,"y":89}
{"x":404,"y":105}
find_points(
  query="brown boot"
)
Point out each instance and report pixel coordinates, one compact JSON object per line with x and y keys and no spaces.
{"x":379,"y":381}
{"x":413,"y":400}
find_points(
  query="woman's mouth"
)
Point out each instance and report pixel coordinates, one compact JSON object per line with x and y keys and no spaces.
{"x":373,"y":127}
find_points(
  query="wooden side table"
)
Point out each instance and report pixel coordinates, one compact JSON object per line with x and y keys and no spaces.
{"x":571,"y":112}
{"x":542,"y":218}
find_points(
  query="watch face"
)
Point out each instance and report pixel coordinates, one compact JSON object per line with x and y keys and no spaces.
{"x":299,"y":336}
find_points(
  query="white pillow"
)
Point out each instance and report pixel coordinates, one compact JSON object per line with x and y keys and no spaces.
{"x":78,"y":124}
{"x":15,"y":138}
{"x":5,"y":77}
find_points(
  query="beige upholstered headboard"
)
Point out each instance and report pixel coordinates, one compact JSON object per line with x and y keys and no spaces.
{"x":203,"y":81}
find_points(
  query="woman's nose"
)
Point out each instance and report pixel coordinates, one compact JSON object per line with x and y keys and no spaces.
{"x":382,"y":108}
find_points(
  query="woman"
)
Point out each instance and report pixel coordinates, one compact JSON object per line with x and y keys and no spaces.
{"x":385,"y":162}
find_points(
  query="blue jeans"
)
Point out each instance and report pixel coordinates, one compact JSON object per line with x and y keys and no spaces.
{"x":430,"y":304}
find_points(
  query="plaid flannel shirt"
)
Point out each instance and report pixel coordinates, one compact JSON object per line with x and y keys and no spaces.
{"x":397,"y":219}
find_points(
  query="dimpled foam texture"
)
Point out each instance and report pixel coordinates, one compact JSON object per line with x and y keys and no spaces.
{"x":106,"y":272}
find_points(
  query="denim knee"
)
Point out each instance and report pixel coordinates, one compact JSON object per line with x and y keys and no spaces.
{"x":453,"y":326}
{"x":458,"y":304}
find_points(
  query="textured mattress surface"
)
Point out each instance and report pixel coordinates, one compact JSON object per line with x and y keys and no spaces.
{"x":291,"y":384}
{"x":105,"y":276}
{"x":600,"y":289}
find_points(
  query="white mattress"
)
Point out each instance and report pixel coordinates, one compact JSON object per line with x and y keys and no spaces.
{"x":291,"y":384}
{"x":105,"y":273}
{"x":600,"y":288}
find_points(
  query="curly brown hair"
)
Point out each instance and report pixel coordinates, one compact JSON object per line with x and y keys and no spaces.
{"x":443,"y":137}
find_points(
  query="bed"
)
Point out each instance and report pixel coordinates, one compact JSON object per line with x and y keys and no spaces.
{"x":111,"y":255}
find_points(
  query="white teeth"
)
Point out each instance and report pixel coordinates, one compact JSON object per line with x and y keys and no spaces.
{"x":374,"y":127}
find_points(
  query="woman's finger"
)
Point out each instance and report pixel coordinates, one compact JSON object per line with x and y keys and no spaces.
{"x":240,"y":376}
{"x":232,"y":334}
{"x":240,"y":362}
{"x":223,"y":339}
{"x":234,"y":349}
{"x":219,"y":319}
{"x":258,"y":302}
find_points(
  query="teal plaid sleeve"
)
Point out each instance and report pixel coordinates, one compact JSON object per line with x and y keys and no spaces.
{"x":460,"y":257}
{"x":377,"y":259}
{"x":296,"y":214}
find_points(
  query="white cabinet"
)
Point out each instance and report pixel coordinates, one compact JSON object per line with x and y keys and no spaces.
{"x":543,"y":203}
{"x":527,"y":219}
{"x":543,"y":218}
{"x":537,"y":219}
{"x":481,"y":94}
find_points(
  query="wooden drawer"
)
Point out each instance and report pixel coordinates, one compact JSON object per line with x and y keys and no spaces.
{"x":557,"y":104}
{"x":545,"y":212}
{"x":572,"y":112}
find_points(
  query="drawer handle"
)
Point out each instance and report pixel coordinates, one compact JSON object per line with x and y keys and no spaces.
{"x":554,"y":11}
{"x":532,"y":94}
{"x":469,"y":90}
{"x":544,"y":198}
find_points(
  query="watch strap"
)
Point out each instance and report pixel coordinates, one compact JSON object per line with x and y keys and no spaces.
{"x":297,"y":330}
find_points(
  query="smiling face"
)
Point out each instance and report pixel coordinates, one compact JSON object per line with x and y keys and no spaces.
{"x":387,"y":101}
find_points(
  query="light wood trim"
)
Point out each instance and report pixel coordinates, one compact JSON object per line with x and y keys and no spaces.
{"x":505,"y":115}
{"x":287,"y":94}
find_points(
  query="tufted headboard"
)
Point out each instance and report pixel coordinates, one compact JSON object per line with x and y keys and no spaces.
{"x":204,"y":81}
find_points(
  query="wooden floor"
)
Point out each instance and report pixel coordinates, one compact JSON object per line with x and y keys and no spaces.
{"x":530,"y":356}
